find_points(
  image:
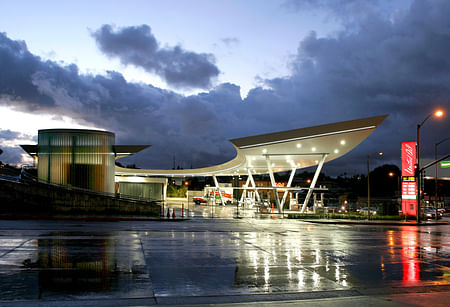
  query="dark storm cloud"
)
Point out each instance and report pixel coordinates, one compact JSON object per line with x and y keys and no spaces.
{"x":397,"y":66}
{"x":9,"y":135}
{"x":138,"y":46}
{"x":137,"y":113}
{"x":17,"y":66}
{"x":345,"y":10}
{"x":13,"y":153}
{"x":344,"y":6}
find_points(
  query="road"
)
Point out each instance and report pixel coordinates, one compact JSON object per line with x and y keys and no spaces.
{"x":217,"y":261}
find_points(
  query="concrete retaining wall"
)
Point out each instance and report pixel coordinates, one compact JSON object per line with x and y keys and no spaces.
{"x":38,"y":199}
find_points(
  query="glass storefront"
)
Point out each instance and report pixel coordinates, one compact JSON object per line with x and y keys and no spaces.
{"x":143,"y":190}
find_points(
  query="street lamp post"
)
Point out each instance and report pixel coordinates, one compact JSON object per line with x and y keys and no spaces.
{"x":438,"y":113}
{"x":435,"y":174}
{"x":392,"y":174}
{"x":398,"y":194}
{"x":368,"y":184}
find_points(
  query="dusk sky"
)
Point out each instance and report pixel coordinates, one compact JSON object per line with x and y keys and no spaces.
{"x":187,"y":76}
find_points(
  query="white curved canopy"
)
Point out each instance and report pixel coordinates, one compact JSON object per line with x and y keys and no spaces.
{"x":298,"y":148}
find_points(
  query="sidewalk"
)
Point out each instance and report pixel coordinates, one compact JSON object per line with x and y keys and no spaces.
{"x":342,"y":298}
{"x":374,"y":222}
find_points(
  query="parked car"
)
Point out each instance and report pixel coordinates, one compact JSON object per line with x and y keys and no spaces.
{"x":430,"y":213}
{"x":363,"y":211}
{"x":200,"y":200}
{"x":342,"y":209}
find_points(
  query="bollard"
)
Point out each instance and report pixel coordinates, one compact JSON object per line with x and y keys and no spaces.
{"x":168,"y":212}
{"x":182,"y":210}
{"x":272,"y":207}
{"x":173,"y":213}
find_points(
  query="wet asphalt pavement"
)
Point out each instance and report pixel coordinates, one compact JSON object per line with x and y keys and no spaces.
{"x":205,"y":260}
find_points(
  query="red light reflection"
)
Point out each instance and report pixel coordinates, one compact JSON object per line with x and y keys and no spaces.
{"x":410,"y":262}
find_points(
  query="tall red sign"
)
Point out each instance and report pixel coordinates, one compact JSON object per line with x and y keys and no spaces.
{"x":408,"y":158}
{"x":409,"y":185}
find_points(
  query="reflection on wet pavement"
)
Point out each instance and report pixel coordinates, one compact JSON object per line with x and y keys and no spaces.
{"x":59,"y":264}
{"x":190,"y":210}
{"x":51,"y":260}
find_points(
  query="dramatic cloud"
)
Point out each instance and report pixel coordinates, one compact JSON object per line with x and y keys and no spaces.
{"x":9,"y":135}
{"x":194,"y":129}
{"x":14,"y":155}
{"x":10,"y":151}
{"x":138,"y":46}
{"x":345,"y":10}
{"x":397,"y":66}
{"x":17,"y":66}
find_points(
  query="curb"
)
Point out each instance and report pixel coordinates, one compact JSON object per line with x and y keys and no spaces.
{"x":374,"y":223}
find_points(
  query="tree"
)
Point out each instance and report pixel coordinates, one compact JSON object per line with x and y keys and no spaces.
{"x":384,"y":180}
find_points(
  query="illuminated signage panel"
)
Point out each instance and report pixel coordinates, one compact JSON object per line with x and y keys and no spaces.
{"x":409,"y":185}
{"x":445,"y":164}
{"x":408,"y":158}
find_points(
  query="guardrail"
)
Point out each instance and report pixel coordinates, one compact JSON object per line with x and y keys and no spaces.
{"x":26,"y":177}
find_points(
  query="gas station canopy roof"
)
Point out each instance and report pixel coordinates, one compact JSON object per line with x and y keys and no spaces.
{"x":281,"y":151}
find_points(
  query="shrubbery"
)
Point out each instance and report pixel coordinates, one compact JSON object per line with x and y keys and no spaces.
{"x":177,"y":191}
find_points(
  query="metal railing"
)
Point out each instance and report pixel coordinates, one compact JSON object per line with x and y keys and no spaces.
{"x":26,"y":177}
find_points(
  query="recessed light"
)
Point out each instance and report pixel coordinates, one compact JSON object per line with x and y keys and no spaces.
{"x":313,"y":149}
{"x":343,"y":142}
{"x":264,"y":151}
{"x":299,"y":145}
{"x":336,"y":151}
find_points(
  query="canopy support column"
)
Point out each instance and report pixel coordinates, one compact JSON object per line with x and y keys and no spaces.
{"x":241,"y":201}
{"x":274,"y":185}
{"x":253,"y":185}
{"x":313,"y":182}
{"x":288,"y":186}
{"x":218,"y":189}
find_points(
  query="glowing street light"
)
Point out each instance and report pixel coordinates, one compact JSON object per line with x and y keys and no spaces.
{"x":392,"y":175}
{"x":437,"y":113}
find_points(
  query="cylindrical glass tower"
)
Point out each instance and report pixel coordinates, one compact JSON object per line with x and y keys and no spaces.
{"x":81,"y":158}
